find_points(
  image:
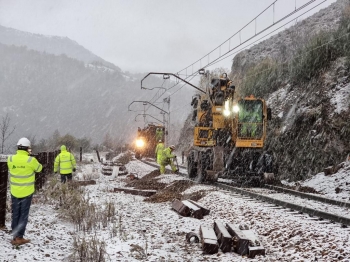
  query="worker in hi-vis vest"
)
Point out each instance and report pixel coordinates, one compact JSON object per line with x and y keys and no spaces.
{"x":159,"y":150}
{"x":22,"y":168}
{"x":166,"y":158}
{"x":65,"y":163}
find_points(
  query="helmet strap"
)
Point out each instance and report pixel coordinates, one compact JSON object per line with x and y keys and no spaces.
{"x":25,"y":148}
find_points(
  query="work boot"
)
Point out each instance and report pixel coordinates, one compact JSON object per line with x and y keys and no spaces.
{"x":19,"y":241}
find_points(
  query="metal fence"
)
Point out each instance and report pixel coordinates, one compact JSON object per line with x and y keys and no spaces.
{"x":45,"y":158}
{"x":3,"y":189}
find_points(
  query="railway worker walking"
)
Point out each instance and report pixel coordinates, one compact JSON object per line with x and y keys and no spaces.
{"x":167,"y":159}
{"x":159,"y":150}
{"x":65,"y":163}
{"x":22,"y":169}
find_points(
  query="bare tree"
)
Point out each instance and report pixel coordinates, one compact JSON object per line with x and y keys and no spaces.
{"x":5,"y":131}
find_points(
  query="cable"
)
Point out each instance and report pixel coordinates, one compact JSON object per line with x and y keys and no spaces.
{"x":212,"y":63}
{"x":231,"y":36}
{"x":280,"y":20}
{"x":295,"y":57}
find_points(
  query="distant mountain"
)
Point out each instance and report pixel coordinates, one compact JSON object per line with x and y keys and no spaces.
{"x":42,"y":92}
{"x":50,"y":44}
{"x":50,"y":82}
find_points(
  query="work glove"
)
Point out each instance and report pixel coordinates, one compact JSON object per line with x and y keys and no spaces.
{"x":74,"y":169}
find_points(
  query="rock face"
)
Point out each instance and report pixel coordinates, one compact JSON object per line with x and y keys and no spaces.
{"x":310,"y":128}
{"x":186,"y":136}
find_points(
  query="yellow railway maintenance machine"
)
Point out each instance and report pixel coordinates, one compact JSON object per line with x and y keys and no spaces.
{"x":229,"y":136}
{"x":147,"y":139}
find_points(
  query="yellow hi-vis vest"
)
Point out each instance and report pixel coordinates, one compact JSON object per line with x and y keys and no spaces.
{"x":22,"y":168}
{"x":159,"y":151}
{"x":64,"y":162}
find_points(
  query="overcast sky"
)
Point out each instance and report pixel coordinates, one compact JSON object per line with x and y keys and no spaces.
{"x":147,"y":35}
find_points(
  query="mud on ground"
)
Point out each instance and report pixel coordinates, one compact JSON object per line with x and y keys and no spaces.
{"x":165,"y":192}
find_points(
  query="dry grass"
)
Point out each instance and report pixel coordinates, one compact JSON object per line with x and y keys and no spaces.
{"x":88,"y":250}
{"x":124,"y":158}
{"x":74,"y":205}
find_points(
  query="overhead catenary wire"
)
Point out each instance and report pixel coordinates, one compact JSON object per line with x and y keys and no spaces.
{"x":226,"y":54}
{"x":295,"y":57}
{"x":273,"y":24}
{"x":230,"y":37}
{"x":263,"y":36}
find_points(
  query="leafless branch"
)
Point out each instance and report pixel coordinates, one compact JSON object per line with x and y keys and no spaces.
{"x":5,"y":130}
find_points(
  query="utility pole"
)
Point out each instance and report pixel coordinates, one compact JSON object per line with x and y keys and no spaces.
{"x":167,"y":100}
{"x":144,"y":114}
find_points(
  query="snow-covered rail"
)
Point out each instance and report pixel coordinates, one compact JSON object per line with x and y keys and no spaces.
{"x":309,"y":196}
{"x":344,"y":221}
{"x":302,"y":209}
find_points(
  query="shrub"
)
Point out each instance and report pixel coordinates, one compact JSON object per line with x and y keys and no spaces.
{"x":125,"y":158}
{"x":312,"y":59}
{"x":88,"y":250}
{"x":262,"y":79}
{"x":321,"y":50}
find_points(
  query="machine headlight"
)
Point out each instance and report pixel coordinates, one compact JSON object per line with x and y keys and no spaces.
{"x":235,"y":108}
{"x":226,"y":112}
{"x":140,"y":143}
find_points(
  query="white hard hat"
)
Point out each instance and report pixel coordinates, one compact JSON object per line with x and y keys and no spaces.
{"x":23,"y":142}
{"x":172,"y":147}
{"x":160,"y":141}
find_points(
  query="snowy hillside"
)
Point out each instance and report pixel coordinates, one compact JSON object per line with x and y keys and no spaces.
{"x":50,"y":44}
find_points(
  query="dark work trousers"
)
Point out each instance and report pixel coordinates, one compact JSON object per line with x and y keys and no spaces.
{"x":20,"y":213}
{"x":65,"y":177}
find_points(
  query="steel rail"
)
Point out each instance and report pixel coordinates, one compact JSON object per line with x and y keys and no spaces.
{"x":302,"y":209}
{"x":312,"y":212}
{"x":309,"y":196}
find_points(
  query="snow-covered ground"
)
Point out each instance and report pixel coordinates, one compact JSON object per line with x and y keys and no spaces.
{"x":335,"y":186}
{"x":149,"y":231}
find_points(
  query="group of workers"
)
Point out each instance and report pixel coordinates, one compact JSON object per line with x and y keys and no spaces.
{"x":165,"y":157}
{"x":22,"y":168}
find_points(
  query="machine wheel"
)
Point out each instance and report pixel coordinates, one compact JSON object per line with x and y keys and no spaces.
{"x":191,"y":166}
{"x":203,"y":164}
{"x":137,"y":155}
{"x":266,"y":168}
{"x":200,"y":170}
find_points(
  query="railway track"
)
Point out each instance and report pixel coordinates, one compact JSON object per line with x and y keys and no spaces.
{"x":291,"y":207}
